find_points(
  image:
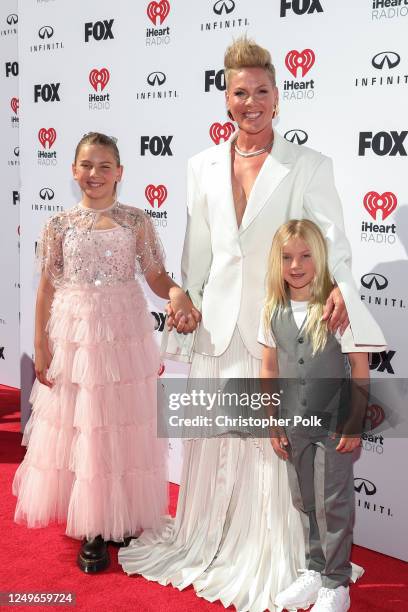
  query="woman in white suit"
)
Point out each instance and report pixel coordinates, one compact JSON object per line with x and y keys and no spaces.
{"x":236,"y":536}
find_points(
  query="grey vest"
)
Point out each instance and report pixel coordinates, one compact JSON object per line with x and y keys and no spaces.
{"x":316,"y":383}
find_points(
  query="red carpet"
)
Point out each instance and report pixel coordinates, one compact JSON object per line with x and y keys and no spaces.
{"x":43,"y":560}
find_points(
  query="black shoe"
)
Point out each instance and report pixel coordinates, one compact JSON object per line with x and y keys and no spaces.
{"x":93,"y":556}
{"x":125,"y":542}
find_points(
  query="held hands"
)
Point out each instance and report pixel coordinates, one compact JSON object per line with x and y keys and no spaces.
{"x":42,"y":362}
{"x":181,"y":313}
{"x":335,"y":312}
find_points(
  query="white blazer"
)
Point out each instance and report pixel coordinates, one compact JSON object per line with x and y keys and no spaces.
{"x":224,"y":267}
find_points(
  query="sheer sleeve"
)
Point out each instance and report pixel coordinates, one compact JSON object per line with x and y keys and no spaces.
{"x":149,"y":249}
{"x":49,"y":252}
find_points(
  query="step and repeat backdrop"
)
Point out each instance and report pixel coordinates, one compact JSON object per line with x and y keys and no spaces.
{"x":150,"y":74}
{"x":10,"y":197}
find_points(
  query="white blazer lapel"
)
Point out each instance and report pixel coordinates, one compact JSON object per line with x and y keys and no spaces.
{"x":221,"y":175}
{"x":275,"y":167}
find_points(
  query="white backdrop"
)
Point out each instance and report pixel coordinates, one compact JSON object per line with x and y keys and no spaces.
{"x":149,"y":74}
{"x":9,"y":178}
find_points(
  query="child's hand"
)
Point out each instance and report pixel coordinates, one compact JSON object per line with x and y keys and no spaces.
{"x":347,"y":444}
{"x":279,"y":442}
{"x":42,"y":362}
{"x":181,"y":312}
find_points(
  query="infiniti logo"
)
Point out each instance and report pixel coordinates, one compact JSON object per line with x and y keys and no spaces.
{"x":160,"y":319}
{"x":156,"y":78}
{"x":12,"y":19}
{"x":377,"y":280}
{"x":46,"y":193}
{"x":46,"y":32}
{"x":223,"y":6}
{"x":16,"y":151}
{"x":388,"y":58}
{"x":367,"y":486}
{"x":297,"y":136}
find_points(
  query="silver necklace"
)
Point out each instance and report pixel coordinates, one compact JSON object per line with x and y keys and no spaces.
{"x":252,"y":153}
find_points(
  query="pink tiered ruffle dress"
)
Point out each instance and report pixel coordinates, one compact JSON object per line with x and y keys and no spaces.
{"x":93,"y":458}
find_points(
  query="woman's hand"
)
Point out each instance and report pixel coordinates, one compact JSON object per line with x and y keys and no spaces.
{"x":42,"y":363}
{"x":181,"y":312}
{"x":335,"y":312}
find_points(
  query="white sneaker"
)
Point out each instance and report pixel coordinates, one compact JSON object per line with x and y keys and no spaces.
{"x":332,"y":600}
{"x":301,"y":593}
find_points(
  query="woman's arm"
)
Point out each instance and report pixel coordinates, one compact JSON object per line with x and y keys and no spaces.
{"x":359,"y":395}
{"x":197,"y":253}
{"x":45,"y":295}
{"x":323,"y":206}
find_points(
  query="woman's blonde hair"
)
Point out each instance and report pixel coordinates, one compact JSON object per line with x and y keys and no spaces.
{"x":277,"y":293}
{"x":245,"y":53}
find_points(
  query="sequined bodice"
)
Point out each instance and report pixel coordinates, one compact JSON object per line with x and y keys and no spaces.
{"x":100,"y":257}
{"x":75,"y":248}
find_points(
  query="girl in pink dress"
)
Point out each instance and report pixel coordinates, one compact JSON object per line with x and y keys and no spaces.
{"x":93,"y":458}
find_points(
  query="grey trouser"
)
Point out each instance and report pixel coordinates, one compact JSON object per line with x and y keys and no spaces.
{"x":322,"y":487}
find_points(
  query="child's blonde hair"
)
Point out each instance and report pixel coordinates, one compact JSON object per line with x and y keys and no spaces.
{"x":277,"y":295}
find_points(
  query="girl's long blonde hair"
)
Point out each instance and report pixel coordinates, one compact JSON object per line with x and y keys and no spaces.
{"x":277,"y":293}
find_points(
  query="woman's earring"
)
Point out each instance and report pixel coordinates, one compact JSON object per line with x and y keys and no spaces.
{"x":230,"y":114}
{"x":276,"y":110}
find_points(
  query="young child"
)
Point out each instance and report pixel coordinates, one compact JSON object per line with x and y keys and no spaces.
{"x":93,"y":457}
{"x":298,"y":346}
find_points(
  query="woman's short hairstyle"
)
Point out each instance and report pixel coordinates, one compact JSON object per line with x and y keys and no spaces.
{"x":245,"y":53}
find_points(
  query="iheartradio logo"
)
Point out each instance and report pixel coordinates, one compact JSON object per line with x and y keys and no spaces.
{"x":219,"y":131}
{"x":374,"y":416}
{"x":99,"y":78}
{"x":300,"y":59}
{"x":158,"y":11}
{"x":15,"y":104}
{"x":156,"y":195}
{"x":386,"y":203}
{"x":47,"y":137}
